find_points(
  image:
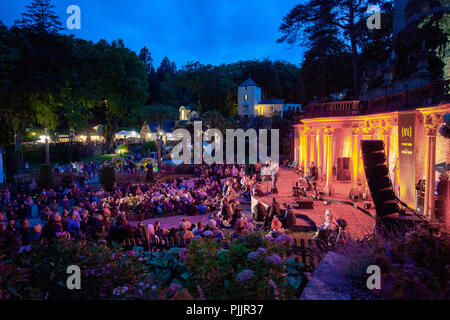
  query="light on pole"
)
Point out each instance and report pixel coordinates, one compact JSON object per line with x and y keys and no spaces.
{"x":47,"y":151}
{"x":158,"y":142}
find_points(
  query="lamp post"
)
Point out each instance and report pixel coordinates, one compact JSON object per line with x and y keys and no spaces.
{"x":47,"y":151}
{"x":158,"y":142}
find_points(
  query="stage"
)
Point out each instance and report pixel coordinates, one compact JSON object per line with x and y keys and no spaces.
{"x":359,"y":223}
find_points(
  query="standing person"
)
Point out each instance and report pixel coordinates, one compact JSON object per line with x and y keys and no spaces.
{"x":343,"y":235}
{"x":29,"y":206}
{"x":291,"y":219}
{"x":313,"y":176}
{"x":25,"y":232}
{"x":258,"y":167}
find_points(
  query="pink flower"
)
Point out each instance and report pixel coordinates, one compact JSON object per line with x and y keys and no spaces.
{"x":273,"y":259}
{"x":244,"y":276}
{"x":183,"y":254}
{"x":284,"y":238}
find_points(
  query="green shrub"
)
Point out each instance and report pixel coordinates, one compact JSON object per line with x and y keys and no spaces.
{"x":165,"y":267}
{"x":415,"y":267}
{"x":45,"y":176}
{"x":122,"y":149}
{"x":106,"y":273}
{"x":108,"y":178}
{"x":150,"y":146}
{"x":251,"y":268}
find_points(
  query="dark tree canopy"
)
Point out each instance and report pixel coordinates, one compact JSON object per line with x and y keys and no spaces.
{"x":40,"y":17}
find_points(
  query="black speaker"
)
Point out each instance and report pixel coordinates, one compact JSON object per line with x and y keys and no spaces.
{"x":304,"y":204}
{"x":378,"y":180}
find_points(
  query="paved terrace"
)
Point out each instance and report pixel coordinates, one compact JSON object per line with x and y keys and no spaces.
{"x":358,"y":222}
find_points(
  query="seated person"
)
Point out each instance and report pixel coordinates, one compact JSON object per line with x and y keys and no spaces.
{"x":276,"y":225}
{"x":325,"y":230}
{"x":212,"y":227}
{"x":240,"y":229}
{"x":183,"y":233}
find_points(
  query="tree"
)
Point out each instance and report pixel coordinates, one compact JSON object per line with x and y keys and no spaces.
{"x":376,"y":45}
{"x":123,"y":86}
{"x":166,"y":67}
{"x":309,"y":19}
{"x":214,"y":120}
{"x":158,"y":113}
{"x":146,"y":57}
{"x":40,"y":17}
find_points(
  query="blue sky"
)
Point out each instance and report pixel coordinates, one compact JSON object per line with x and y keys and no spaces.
{"x":209,"y":31}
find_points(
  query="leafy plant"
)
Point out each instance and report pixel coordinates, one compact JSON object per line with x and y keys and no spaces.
{"x":165,"y":267}
{"x":45,"y":176}
{"x":251,"y":268}
{"x":149,"y":146}
{"x":103,"y":269}
{"x":416,"y":267}
{"x":108,"y":178}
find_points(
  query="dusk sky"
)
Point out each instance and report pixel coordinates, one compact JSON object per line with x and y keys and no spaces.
{"x":209,"y":31}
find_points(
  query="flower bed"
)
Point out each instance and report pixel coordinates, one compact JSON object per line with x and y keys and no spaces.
{"x":414,"y":268}
{"x":250,"y":268}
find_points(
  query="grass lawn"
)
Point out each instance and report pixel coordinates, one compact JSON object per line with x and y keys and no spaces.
{"x":102,"y":157}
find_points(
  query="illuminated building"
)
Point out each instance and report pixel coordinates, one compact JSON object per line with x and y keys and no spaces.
{"x":330,"y":136}
{"x":250,"y":103}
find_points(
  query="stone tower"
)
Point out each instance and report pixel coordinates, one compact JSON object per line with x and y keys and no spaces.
{"x":249,"y":96}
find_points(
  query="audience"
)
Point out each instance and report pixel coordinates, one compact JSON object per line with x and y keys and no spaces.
{"x":79,"y":211}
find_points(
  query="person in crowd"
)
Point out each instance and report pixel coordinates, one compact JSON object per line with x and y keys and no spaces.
{"x":52,"y":228}
{"x":25,"y":232}
{"x":290,"y":218}
{"x":36,"y":232}
{"x":313,"y":176}
{"x":198,"y":230}
{"x":276,"y":225}
{"x":151,"y":233}
{"x":73,"y":225}
{"x":212,"y":227}
{"x":183,"y":232}
{"x":240,"y":229}
{"x":96,"y":214}
{"x":343,"y":236}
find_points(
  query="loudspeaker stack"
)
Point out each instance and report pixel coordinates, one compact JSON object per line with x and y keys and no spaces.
{"x":377,"y":175}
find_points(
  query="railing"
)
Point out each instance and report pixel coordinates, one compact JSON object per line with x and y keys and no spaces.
{"x":428,"y":95}
{"x":332,"y":108}
{"x":432,"y":94}
{"x":131,"y":178}
{"x":58,"y":178}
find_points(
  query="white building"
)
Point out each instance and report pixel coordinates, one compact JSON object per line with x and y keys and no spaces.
{"x":250,"y":103}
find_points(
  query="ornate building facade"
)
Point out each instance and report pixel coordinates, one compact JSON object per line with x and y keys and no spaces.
{"x":330,"y":136}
